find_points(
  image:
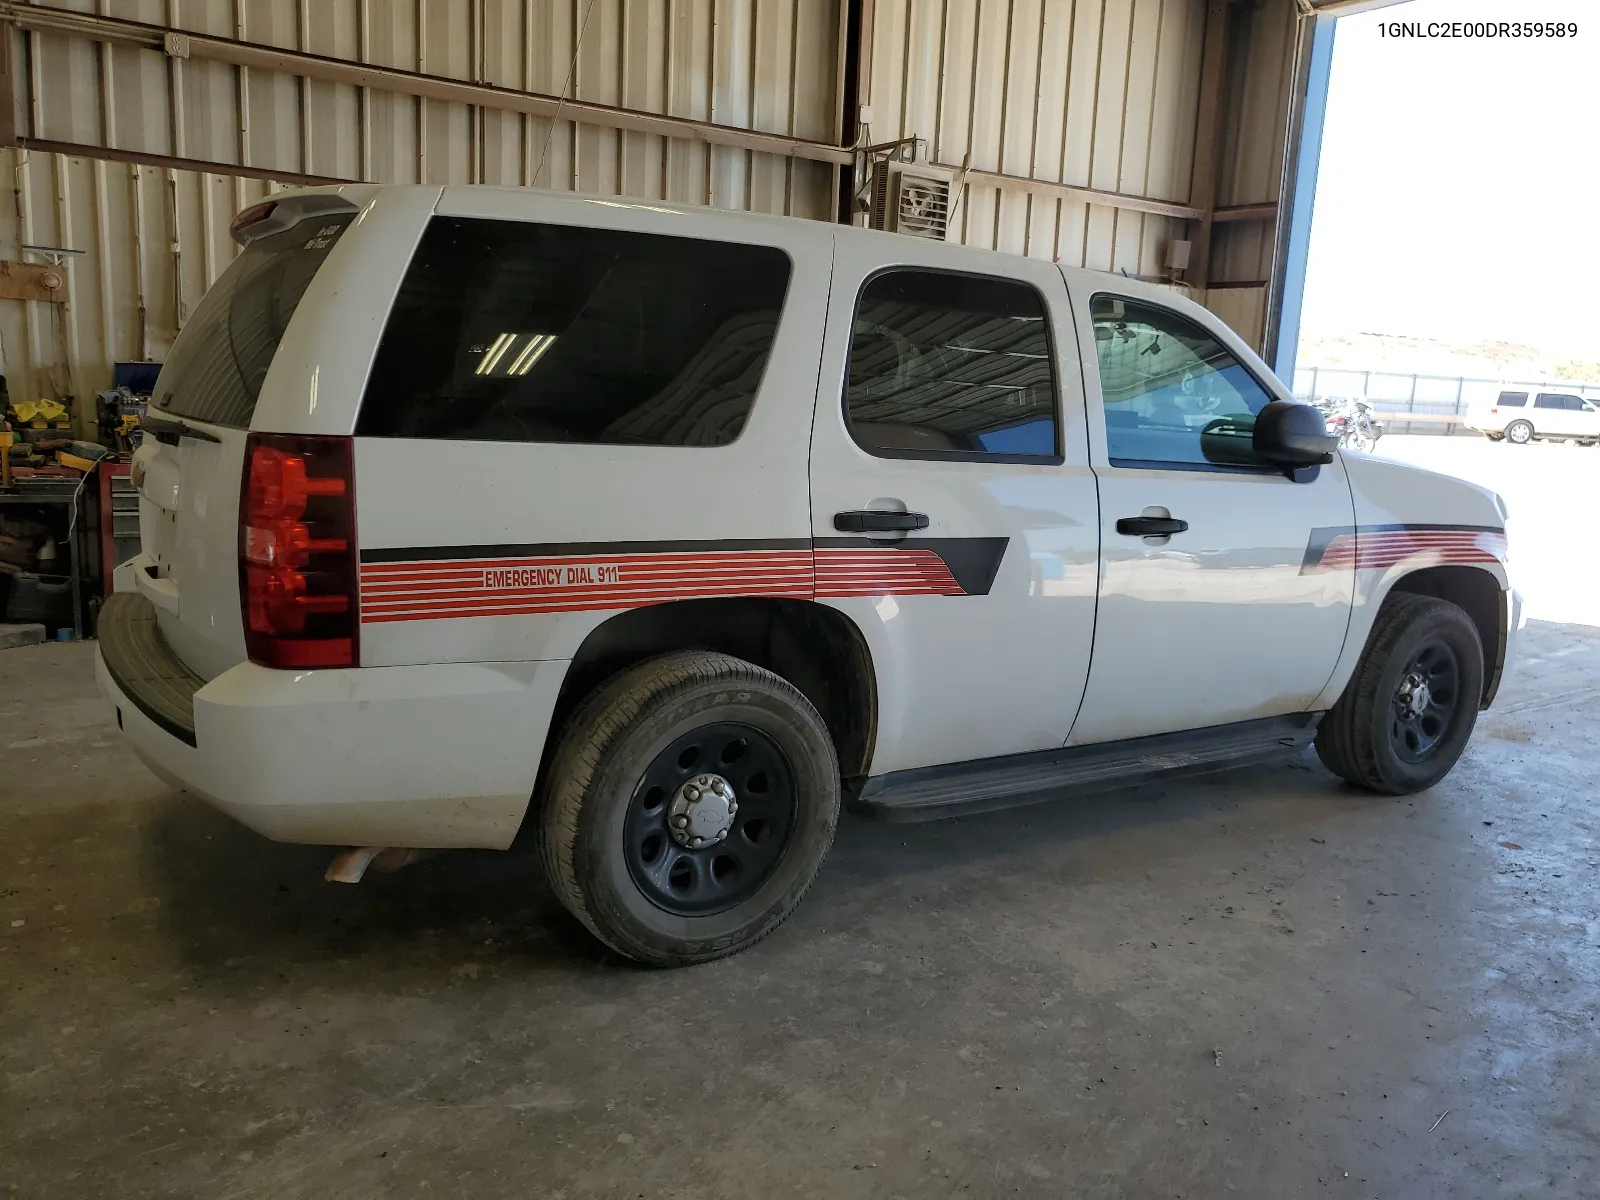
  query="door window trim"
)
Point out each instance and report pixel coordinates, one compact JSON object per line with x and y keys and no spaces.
{"x":1029,"y":460}
{"x":1144,"y":464}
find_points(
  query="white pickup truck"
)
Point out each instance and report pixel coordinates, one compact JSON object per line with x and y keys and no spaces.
{"x":663,"y":532}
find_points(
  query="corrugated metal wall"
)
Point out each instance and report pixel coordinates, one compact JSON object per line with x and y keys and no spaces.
{"x":1253,"y":144}
{"x":1094,"y":93}
{"x":1100,"y":94}
{"x":155,"y":238}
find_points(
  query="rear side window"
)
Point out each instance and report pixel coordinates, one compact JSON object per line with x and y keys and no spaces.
{"x":951,"y":366}
{"x":219,"y":362}
{"x":513,"y":331}
{"x":1513,"y":399}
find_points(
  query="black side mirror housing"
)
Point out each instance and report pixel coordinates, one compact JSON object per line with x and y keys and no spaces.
{"x":1294,"y":437}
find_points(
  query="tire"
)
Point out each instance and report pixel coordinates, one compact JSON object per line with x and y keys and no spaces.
{"x":1519,"y":433}
{"x":1495,"y":437}
{"x":666,"y":723}
{"x":1360,"y":442}
{"x":1365,"y":739}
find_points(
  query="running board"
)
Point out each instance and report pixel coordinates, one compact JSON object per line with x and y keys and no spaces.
{"x":959,"y":789}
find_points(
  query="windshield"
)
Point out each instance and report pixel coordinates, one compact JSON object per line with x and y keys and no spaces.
{"x":220,"y":360}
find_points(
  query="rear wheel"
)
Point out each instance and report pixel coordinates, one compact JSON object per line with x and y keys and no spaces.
{"x":1519,"y":433}
{"x":1405,"y":718}
{"x":689,"y":804}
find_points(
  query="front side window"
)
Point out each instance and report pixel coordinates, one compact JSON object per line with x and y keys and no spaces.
{"x":944,"y":365}
{"x":1514,"y":399}
{"x":1173,"y":394}
{"x":514,"y":331}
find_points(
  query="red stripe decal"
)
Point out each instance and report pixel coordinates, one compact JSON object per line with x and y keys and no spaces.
{"x":1382,"y":549}
{"x":502,"y":587}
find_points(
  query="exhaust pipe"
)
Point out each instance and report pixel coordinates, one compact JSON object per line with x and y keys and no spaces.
{"x":348,"y":866}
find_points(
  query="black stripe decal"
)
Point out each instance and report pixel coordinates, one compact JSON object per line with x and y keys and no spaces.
{"x":973,"y":562}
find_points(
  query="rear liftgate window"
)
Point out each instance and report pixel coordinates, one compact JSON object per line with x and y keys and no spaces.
{"x":510,"y":331}
{"x":217,"y":366}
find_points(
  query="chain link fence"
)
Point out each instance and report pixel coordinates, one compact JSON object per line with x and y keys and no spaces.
{"x":1433,"y":404}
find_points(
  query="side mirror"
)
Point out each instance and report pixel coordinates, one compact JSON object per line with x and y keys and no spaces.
{"x":1293,"y":436}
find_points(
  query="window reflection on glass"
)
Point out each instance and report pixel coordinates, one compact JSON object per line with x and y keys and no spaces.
{"x":516,"y":331}
{"x":1172,"y":392}
{"x":953,"y":366}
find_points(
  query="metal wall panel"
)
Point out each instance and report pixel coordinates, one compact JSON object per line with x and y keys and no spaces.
{"x":155,"y":238}
{"x":1100,"y":94}
{"x":1251,"y":172}
{"x":152,"y":240}
{"x":1092,"y":93}
{"x":693,"y":58}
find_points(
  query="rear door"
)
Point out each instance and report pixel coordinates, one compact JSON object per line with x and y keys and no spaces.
{"x":1241,"y":611}
{"x":952,"y":504}
{"x":191,"y":461}
{"x":1557,"y":415}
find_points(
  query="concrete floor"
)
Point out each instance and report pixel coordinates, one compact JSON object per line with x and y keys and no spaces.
{"x":1262,"y":985}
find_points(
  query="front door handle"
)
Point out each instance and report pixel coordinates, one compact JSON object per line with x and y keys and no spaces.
{"x":1151,"y":526}
{"x":874,"y":521}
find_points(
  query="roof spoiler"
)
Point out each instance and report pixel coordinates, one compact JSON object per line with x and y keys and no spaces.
{"x":276,"y":215}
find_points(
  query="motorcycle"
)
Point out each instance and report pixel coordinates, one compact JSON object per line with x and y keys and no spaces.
{"x":1352,"y":422}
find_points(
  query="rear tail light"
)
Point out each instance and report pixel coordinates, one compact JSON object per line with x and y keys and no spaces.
{"x":297,"y":552}
{"x":1494,"y":411}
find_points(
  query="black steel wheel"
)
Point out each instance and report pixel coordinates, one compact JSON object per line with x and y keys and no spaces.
{"x":1410,"y":708}
{"x":1425,"y":702}
{"x":687,"y":807}
{"x":710,"y":819}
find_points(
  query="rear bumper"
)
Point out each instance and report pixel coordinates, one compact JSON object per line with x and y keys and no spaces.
{"x":444,"y":755}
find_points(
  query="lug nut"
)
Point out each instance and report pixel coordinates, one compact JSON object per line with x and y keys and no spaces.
{"x":681,"y":821}
{"x":691,"y":793}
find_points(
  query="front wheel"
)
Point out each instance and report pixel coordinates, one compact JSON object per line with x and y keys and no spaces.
{"x":688,"y":806}
{"x":1519,"y":433}
{"x":1407,"y":713}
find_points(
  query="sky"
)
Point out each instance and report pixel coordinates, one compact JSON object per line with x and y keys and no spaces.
{"x":1459,"y":190}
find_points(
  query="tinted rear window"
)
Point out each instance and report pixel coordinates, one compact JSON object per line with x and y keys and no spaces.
{"x":951,"y":366}
{"x":512,"y":331}
{"x":1514,"y":399}
{"x":1555,"y":400}
{"x":218,"y":364}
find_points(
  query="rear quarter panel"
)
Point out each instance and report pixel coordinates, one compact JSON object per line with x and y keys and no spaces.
{"x":487,"y":505}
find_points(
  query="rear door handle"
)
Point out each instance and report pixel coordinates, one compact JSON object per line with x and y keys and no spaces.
{"x":1151,"y":526}
{"x":870,"y":521}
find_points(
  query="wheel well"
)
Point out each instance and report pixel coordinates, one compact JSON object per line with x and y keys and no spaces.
{"x":815,"y":648}
{"x":1480,"y":596}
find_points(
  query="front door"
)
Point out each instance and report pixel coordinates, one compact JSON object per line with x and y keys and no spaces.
{"x":1217,"y":600}
{"x":952,"y":504}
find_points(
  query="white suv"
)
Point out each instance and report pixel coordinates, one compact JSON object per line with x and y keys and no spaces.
{"x":664,"y":530}
{"x":1523,"y":417}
